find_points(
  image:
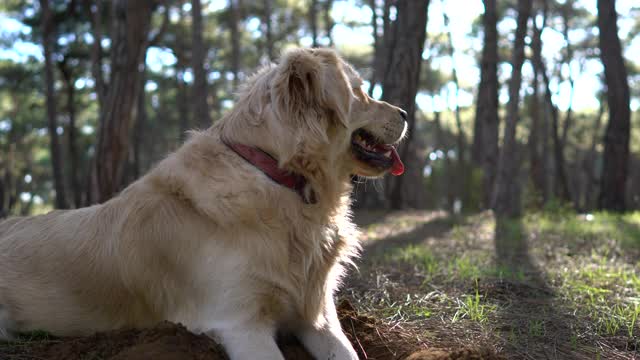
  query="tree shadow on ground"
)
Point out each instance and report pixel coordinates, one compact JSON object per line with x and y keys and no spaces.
{"x":529,"y":323}
{"x":365,"y":278}
{"x":435,"y":227}
{"x":366,"y":218}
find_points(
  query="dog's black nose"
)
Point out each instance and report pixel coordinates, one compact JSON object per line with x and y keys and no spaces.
{"x":403,"y":114}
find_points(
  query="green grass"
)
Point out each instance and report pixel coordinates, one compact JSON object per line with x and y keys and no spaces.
{"x":622,"y":230}
{"x":536,"y":328}
{"x":416,"y":255}
{"x":474,"y":308}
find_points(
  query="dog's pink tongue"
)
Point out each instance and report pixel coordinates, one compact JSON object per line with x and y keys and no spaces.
{"x":398,"y":166}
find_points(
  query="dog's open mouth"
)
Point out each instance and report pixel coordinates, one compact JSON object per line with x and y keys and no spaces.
{"x":369,"y":150}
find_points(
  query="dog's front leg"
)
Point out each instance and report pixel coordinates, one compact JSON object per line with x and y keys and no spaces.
{"x":248,"y":342}
{"x":329,"y":341}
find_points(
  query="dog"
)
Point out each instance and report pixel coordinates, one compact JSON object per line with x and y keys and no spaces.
{"x":242,"y":232}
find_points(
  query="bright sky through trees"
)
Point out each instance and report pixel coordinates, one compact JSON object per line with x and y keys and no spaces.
{"x":462,"y":14}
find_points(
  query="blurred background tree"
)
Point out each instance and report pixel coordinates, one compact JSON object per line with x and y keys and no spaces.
{"x":93,"y":93}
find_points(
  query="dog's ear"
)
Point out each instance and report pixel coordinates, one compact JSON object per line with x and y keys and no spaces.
{"x":297,"y":87}
{"x":309,"y":83}
{"x":337,"y":90}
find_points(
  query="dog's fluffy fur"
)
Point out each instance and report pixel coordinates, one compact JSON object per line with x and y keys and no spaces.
{"x":205,"y":238}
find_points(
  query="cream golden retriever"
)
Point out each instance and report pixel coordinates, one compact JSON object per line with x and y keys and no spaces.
{"x":212,"y":238}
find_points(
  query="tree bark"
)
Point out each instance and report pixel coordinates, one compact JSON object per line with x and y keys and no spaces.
{"x":140,"y":128}
{"x":3,"y":212}
{"x":129,"y":41}
{"x":313,"y":22}
{"x":401,"y":79}
{"x":199,"y":93}
{"x":485,"y":140}
{"x":462,"y":172}
{"x":376,"y":46}
{"x":615,"y":169}
{"x":9,"y":179}
{"x":535,"y":163}
{"x":268,"y":31}
{"x":76,"y":187}
{"x":183,"y":103}
{"x":560,"y":138}
{"x":48,"y":39}
{"x":506,"y":198}
{"x":234,"y":26}
{"x":589,"y":164}
{"x":536,"y":160}
{"x":328,"y":21}
{"x":384,"y":39}
{"x":446,"y":167}
{"x":94,"y":11}
{"x":561,"y":185}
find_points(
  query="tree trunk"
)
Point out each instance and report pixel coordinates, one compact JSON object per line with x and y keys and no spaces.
{"x":446,"y":167}
{"x":506,"y":198}
{"x":560,"y":138}
{"x":384,"y":39}
{"x":5,"y":178}
{"x":401,"y":79}
{"x":25,"y":209}
{"x":328,"y":21}
{"x":485,"y":136}
{"x":139,"y":132}
{"x":76,"y":187}
{"x":48,"y":39}
{"x":590,"y":161}
{"x":129,"y":42}
{"x":376,"y":46}
{"x":3,"y":212}
{"x":9,"y":178}
{"x":536,"y":160}
{"x":462,"y":175}
{"x":199,"y":93}
{"x":560,"y":180}
{"x":546,"y":156}
{"x":615,"y":169}
{"x":182,"y":99}
{"x":268,"y":32}
{"x":234,"y":26}
{"x":561,"y":184}
{"x":567,"y":10}
{"x":313,"y":22}
{"x":94,"y":11}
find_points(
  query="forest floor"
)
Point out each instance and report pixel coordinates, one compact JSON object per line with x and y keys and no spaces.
{"x":550,"y":286}
{"x":553,"y":285}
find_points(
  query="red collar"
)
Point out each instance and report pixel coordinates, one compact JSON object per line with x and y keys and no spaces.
{"x":269,"y":166}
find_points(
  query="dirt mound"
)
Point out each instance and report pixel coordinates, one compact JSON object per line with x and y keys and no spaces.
{"x":461,"y":354}
{"x":370,"y":338}
{"x":167,"y":341}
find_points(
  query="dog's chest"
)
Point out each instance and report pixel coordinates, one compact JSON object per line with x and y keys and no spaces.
{"x":314,"y":267}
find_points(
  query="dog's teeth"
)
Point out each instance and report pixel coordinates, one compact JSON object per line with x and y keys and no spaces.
{"x":388,"y":153}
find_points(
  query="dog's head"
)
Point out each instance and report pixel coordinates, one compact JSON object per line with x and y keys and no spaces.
{"x":312,"y":108}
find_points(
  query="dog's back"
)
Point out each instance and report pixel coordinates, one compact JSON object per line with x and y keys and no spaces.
{"x":5,"y":229}
{"x":42,"y":260}
{"x":24,"y":245}
{"x":8,"y":224}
